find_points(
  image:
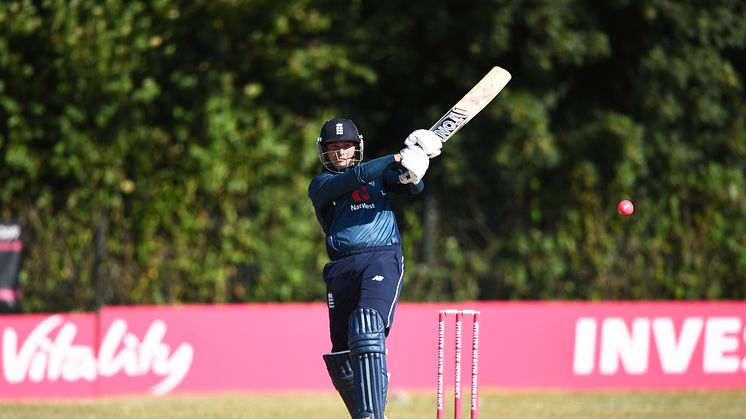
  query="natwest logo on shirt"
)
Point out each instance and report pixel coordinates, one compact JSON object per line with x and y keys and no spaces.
{"x":361,"y":194}
{"x":362,"y":205}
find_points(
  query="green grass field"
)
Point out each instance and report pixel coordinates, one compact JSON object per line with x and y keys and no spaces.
{"x":689,"y":404}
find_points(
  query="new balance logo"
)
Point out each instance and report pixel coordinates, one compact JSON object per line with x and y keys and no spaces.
{"x":378,"y":278}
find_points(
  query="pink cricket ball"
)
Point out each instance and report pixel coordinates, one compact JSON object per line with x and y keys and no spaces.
{"x":625,"y":207}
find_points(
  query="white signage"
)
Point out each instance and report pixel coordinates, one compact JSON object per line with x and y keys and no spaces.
{"x":627,"y":347}
{"x":42,"y":358}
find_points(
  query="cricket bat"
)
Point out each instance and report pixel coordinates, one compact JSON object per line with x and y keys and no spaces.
{"x":478,"y":97}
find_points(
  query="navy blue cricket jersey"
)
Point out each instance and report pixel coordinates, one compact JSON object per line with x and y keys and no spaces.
{"x":353,"y":207}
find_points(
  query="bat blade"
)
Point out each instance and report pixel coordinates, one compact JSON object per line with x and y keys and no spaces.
{"x":474,"y":101}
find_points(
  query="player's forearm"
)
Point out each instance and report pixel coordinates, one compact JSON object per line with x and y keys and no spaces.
{"x":374,"y":169}
{"x":329,"y":188}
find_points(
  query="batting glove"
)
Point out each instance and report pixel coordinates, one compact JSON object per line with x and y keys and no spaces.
{"x":415,"y":160}
{"x":426,"y":140}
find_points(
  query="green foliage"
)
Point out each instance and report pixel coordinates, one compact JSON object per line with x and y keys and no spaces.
{"x":159,"y":152}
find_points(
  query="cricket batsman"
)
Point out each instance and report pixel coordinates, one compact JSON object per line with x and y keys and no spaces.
{"x":365,"y":274}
